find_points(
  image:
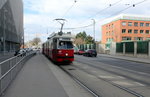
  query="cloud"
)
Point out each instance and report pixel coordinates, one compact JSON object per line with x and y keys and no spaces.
{"x":40,"y":14}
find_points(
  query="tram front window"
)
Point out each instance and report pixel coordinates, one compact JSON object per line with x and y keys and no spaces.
{"x":65,"y":45}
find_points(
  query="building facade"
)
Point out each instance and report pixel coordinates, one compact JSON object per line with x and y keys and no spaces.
{"x":126,"y":28}
{"x":11,"y":25}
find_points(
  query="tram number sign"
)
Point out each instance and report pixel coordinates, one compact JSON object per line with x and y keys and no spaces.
{"x":65,"y":39}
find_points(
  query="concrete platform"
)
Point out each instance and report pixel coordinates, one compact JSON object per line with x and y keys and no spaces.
{"x":40,"y":78}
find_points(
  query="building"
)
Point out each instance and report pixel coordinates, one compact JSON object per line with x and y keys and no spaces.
{"x":11,"y":25}
{"x":126,"y":28}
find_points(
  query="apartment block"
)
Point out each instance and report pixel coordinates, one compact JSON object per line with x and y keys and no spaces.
{"x":126,"y":28}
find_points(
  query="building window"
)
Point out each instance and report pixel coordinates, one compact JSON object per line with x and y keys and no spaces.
{"x":130,"y":31}
{"x":112,"y":25}
{"x":147,"y":24}
{"x":112,"y":32}
{"x":129,"y":23}
{"x":107,"y":33}
{"x":148,"y":38}
{"x":123,"y":30}
{"x":126,"y":38}
{"x":147,"y":31}
{"x":135,"y":31}
{"x":138,"y":38}
{"x":141,"y":24}
{"x":123,"y":23}
{"x":136,"y":24}
{"x":106,"y":27}
{"x":141,"y":31}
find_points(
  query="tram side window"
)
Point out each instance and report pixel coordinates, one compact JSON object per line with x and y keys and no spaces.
{"x":54,"y":44}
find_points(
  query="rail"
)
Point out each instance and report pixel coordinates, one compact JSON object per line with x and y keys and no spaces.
{"x":10,"y":68}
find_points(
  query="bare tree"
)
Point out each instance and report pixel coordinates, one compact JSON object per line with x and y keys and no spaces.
{"x":36,"y":41}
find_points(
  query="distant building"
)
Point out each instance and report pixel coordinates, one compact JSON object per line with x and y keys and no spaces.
{"x":126,"y":28}
{"x":11,"y":25}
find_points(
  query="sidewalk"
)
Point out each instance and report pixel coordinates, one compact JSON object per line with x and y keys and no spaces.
{"x":40,"y":78}
{"x":134,"y":59}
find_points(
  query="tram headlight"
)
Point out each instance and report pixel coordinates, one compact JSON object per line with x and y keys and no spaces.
{"x":66,"y":54}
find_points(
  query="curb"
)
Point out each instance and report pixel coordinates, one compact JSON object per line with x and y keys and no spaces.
{"x":123,"y":59}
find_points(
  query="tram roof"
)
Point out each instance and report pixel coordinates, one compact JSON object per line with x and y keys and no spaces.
{"x":64,"y":35}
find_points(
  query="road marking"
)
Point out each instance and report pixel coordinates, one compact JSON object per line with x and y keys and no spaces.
{"x":107,"y":77}
{"x":85,"y":67}
{"x":139,"y":84}
{"x":94,"y":71}
{"x":123,"y":83}
{"x":121,"y":77}
{"x":131,"y":70}
{"x":90,"y":75}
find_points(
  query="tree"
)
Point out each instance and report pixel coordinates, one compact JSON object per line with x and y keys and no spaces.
{"x":82,"y":38}
{"x":36,"y":41}
{"x":81,"y":35}
{"x":89,"y":40}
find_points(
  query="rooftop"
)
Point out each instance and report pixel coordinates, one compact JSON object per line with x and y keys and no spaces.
{"x":128,"y":17}
{"x":132,"y":17}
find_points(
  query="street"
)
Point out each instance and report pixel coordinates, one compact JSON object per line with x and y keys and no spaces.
{"x":129,"y":76}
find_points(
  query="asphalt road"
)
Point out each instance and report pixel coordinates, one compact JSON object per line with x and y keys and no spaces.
{"x":132,"y":75}
{"x":139,"y":67}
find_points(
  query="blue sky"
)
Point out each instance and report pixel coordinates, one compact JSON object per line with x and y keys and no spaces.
{"x":39,"y":15}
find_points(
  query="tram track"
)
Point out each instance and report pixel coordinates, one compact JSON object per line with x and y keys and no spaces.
{"x":116,"y":73}
{"x":92,"y":90}
{"x":116,"y":85}
{"x":81,"y":83}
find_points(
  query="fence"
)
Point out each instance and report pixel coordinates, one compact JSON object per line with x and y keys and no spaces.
{"x":86,"y":46}
{"x":137,"y":47}
{"x":119,"y":47}
{"x":142,"y":47}
{"x":10,"y":68}
{"x":129,"y":47}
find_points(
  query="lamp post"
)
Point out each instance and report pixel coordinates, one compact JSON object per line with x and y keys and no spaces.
{"x":94,"y":32}
{"x":4,"y":11}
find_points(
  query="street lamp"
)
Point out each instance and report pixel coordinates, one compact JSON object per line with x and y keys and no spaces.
{"x":93,"y":29}
{"x":94,"y":32}
{"x":4,"y":11}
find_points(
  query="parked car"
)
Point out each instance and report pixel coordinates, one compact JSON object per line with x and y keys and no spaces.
{"x":90,"y":52}
{"x":21,"y":52}
{"x":81,"y":52}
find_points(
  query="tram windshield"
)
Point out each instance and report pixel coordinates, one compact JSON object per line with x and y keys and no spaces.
{"x":65,"y":45}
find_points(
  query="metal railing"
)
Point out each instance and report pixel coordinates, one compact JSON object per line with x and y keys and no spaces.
{"x":10,"y":68}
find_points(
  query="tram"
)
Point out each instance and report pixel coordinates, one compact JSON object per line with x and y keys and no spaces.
{"x":59,"y":48}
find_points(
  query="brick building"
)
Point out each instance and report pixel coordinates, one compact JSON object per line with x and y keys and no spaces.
{"x":126,"y":28}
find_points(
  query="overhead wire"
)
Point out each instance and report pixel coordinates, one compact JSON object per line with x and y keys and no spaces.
{"x":75,"y":1}
{"x":97,"y":14}
{"x":110,"y":15}
{"x":67,"y":11}
{"x":110,"y":5}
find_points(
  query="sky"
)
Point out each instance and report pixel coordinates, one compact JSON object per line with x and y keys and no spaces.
{"x":40,"y":15}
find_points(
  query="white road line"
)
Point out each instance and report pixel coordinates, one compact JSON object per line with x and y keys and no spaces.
{"x":121,"y":77}
{"x":123,"y":83}
{"x":106,"y":77}
{"x":94,"y":71}
{"x":132,"y":70}
{"x":139,"y":84}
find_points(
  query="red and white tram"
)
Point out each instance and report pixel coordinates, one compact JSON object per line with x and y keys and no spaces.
{"x":59,"y":48}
